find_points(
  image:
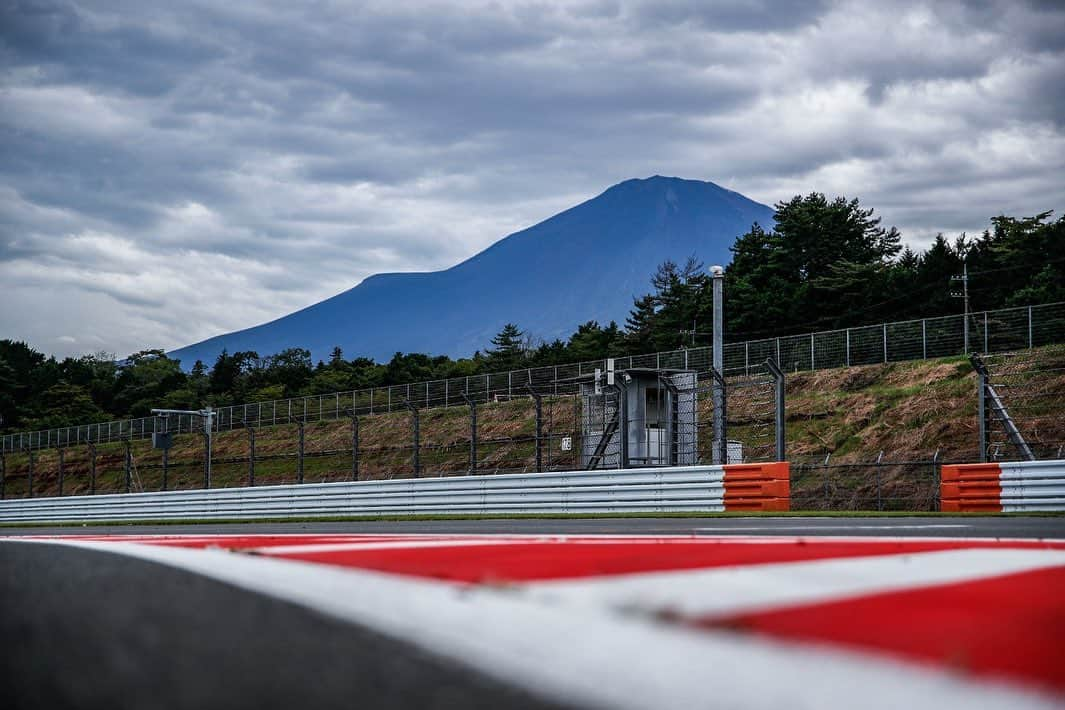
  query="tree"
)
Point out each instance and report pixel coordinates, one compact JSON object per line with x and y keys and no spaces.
{"x":508,"y":348}
{"x":789,"y":279}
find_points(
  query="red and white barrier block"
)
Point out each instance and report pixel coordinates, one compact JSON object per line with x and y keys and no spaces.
{"x":1005,"y":487}
{"x":757,"y":486}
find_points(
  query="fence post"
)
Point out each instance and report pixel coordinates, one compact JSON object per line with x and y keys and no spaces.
{"x":251,"y":456}
{"x":924,"y":339}
{"x":166,"y":467}
{"x":981,"y":413}
{"x":354,"y":447}
{"x":417,"y":434}
{"x":812,"y":366}
{"x":129,"y":465}
{"x":29,"y":451}
{"x":825,"y":466}
{"x":720,"y":444}
{"x":879,"y":500}
{"x":1029,"y":327}
{"x":92,"y":468}
{"x":61,"y":452}
{"x":986,"y":338}
{"x":884,"y":330}
{"x":778,"y":378}
{"x":539,"y":428}
{"x":848,"y":360}
{"x":206,"y":457}
{"x":299,"y":453}
{"x":473,"y":432}
{"x":936,"y":479}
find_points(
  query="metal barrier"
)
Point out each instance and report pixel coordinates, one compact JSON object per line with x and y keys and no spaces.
{"x":650,"y":490}
{"x":1014,"y":487}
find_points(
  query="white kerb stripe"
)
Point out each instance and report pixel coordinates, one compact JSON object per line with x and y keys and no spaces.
{"x":746,"y":588}
{"x":594,"y":657}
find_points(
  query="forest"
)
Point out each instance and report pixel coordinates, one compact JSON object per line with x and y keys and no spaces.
{"x":826,"y":263}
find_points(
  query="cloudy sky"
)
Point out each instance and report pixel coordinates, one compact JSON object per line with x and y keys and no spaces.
{"x":170,"y":171}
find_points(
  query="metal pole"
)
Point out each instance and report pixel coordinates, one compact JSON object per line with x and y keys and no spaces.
{"x":965,"y":290}
{"x":924,"y":339}
{"x":354,"y":448}
{"x":879,"y":501}
{"x":1029,"y":327}
{"x":812,"y":360}
{"x":251,"y":456}
{"x":166,"y":467}
{"x":778,"y":377}
{"x":981,"y":411}
{"x":129,"y":465}
{"x":208,"y":426}
{"x":884,"y":336}
{"x":986,"y":338}
{"x":473,"y":432}
{"x":539,"y":428}
{"x":416,"y":431}
{"x":848,"y":347}
{"x":720,"y":447}
{"x":61,"y":455}
{"x":299,"y":454}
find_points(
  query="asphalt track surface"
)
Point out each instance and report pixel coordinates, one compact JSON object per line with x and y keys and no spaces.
{"x":88,"y":629}
{"x":923,"y":526}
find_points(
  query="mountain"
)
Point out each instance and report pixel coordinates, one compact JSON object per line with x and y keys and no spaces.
{"x":586,"y":263}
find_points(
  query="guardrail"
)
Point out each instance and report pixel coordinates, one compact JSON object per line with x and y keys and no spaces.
{"x":645,"y":490}
{"x":1014,"y":487}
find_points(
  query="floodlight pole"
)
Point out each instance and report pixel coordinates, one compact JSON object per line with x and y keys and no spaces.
{"x":718,"y":277}
{"x":208,"y":415}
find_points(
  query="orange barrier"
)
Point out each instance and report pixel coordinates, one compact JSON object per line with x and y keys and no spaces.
{"x":758,"y":486}
{"x":1007,"y":486}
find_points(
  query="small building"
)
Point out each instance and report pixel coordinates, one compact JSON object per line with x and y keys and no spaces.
{"x":645,"y":417}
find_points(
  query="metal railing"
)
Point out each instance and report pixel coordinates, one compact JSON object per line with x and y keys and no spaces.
{"x":989,"y":331}
{"x":686,"y":488}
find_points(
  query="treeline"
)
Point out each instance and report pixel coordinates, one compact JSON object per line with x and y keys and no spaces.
{"x":825,"y":264}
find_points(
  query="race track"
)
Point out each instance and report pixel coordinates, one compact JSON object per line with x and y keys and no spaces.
{"x":878,"y":612}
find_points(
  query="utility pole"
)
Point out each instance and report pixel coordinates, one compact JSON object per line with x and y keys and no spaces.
{"x":718,"y":276}
{"x":964,"y":278}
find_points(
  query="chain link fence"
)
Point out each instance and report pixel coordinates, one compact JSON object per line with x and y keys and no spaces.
{"x":988,"y":332}
{"x":1022,"y":404}
{"x":558,"y":427}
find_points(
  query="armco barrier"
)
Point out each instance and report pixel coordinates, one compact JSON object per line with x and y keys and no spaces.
{"x":1013,"y":487}
{"x":650,"y":490}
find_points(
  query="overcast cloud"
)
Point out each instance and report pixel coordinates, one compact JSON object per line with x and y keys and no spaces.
{"x":171,"y":171}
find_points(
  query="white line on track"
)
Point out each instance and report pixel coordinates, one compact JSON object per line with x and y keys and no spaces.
{"x":745,"y":588}
{"x":593,"y":657}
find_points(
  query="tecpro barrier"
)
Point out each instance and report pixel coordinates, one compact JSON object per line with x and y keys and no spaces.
{"x":1010,"y":487}
{"x":740,"y":487}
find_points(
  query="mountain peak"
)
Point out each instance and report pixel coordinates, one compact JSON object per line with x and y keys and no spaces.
{"x":586,"y":263}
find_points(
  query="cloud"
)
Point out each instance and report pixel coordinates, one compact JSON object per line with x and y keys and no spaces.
{"x":173,"y":171}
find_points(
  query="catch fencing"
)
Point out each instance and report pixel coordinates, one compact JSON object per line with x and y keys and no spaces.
{"x":1021,"y":405}
{"x":987,"y":332}
{"x":524,"y":432}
